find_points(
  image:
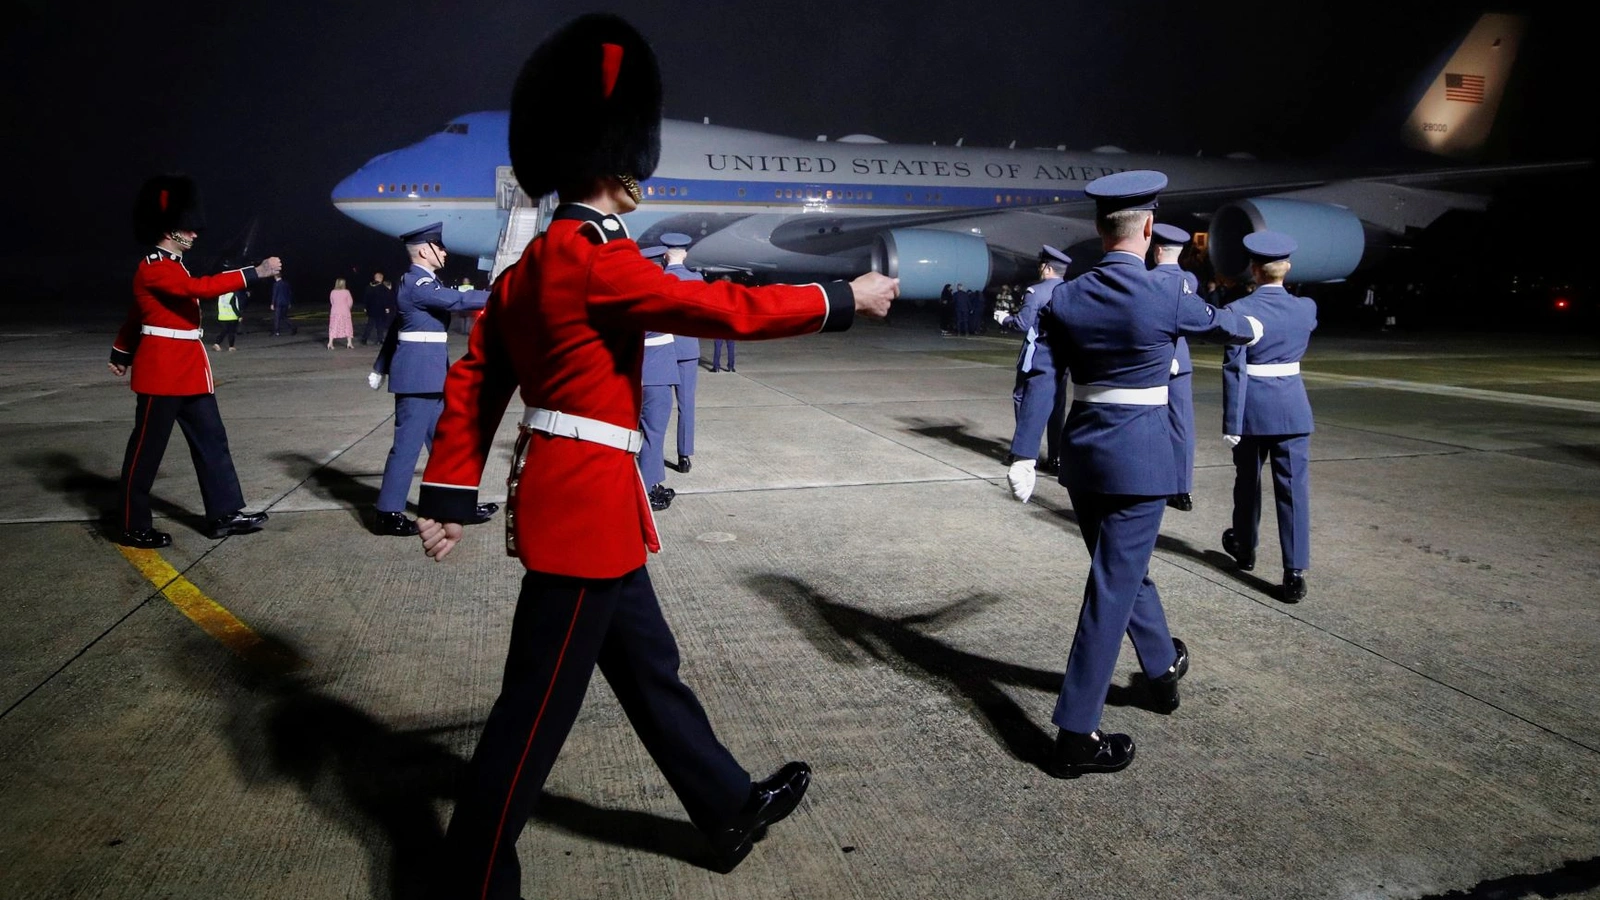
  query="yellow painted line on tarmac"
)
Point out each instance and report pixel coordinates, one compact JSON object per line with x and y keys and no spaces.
{"x":212,"y":617}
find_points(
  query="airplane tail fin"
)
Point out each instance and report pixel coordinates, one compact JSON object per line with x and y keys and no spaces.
{"x":1455,"y":111}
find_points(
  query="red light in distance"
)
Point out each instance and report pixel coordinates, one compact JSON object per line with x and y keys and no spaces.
{"x":1561,"y":303}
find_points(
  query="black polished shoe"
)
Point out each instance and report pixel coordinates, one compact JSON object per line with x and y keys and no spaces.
{"x":1080,"y":754}
{"x":1164,"y":690}
{"x":480,"y":514}
{"x":1245,"y":561}
{"x":1050,"y":465}
{"x":1181,"y":502}
{"x":683,"y":464}
{"x":770,"y":801}
{"x":395,"y":524}
{"x":661,"y":497}
{"x":240,"y":522}
{"x":1294,"y":585}
{"x":145,"y":539}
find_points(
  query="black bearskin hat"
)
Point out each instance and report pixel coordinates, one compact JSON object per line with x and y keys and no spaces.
{"x":587,"y":104}
{"x":167,"y":203}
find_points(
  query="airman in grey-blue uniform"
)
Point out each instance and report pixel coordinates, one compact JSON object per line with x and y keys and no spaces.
{"x":1115,"y":328}
{"x":1266,"y":414}
{"x":1167,"y":243}
{"x":688,"y":350}
{"x":1040,"y":410}
{"x":658,"y":376}
{"x":415,"y":356}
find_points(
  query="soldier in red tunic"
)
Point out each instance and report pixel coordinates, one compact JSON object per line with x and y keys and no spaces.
{"x":161,"y":342}
{"x":564,"y":329}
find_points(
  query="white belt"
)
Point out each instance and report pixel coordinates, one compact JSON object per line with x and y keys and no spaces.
{"x":1272,"y":370}
{"x":659,"y":340}
{"x":1093,"y":393}
{"x":192,"y":334}
{"x":562,"y":424}
{"x":424,"y":337}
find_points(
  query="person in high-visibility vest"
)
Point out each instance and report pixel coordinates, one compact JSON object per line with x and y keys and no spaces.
{"x":228,"y":312}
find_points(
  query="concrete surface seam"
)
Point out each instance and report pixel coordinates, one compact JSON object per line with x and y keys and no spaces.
{"x":325,"y":463}
{"x":1208,"y":575}
{"x":1445,"y":390}
{"x":859,"y":427}
{"x":158,"y":592}
{"x":180,"y":576}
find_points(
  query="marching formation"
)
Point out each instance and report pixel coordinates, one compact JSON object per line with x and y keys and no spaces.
{"x":597,"y":341}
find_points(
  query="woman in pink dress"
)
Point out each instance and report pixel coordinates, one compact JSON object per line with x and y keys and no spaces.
{"x":339,"y":323}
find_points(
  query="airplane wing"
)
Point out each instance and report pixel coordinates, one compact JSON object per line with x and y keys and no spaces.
{"x":1393,"y":202}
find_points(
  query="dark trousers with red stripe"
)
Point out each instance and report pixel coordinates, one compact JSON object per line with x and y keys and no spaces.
{"x":201,"y":423}
{"x":564,"y":628}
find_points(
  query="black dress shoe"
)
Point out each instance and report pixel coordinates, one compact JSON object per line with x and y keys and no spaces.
{"x":683,"y":464}
{"x":1181,"y":502}
{"x":1245,"y":561}
{"x":1080,"y":754}
{"x":769,"y":802}
{"x":1164,"y":690}
{"x":145,"y":539}
{"x":661,"y":497}
{"x":1294,"y":585}
{"x":480,"y":514}
{"x":1051,"y":465}
{"x":239,"y":523}
{"x":395,"y":524}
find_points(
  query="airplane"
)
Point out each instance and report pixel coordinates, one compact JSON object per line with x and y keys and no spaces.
{"x":788,"y":209}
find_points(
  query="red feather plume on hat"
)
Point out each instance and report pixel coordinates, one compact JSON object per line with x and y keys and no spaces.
{"x":164,"y":204}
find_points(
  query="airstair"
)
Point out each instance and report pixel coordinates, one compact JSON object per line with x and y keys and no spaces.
{"x":527,"y":218}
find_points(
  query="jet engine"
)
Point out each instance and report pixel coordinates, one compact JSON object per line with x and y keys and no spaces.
{"x":925,"y":261}
{"x":1331,"y":238}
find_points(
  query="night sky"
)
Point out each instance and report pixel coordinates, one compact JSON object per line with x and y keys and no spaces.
{"x":268,"y":105}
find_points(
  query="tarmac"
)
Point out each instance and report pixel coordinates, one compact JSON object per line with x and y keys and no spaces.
{"x":283,"y":714}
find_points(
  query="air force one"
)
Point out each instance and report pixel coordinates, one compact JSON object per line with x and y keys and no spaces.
{"x":787,"y":209}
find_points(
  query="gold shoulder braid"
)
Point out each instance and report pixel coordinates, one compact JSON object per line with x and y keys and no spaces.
{"x":631,"y":184}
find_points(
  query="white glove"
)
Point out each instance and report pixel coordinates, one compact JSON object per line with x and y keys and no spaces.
{"x":1021,"y":478}
{"x":374,"y":380}
{"x":1000,"y":316}
{"x":1232,"y":440}
{"x":1255,"y":326}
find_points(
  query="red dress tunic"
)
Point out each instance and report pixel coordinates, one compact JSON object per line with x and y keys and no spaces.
{"x":166,"y":298}
{"x":564,"y":327}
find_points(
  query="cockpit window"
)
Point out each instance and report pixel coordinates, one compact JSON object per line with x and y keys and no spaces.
{"x":456,"y":128}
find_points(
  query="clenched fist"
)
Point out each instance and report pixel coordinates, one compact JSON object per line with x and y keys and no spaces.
{"x":873,"y":293}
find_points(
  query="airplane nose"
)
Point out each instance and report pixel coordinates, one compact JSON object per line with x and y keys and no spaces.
{"x":352,"y":187}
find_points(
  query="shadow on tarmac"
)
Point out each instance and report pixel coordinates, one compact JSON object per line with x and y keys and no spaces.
{"x":96,"y":494}
{"x":648,"y":832}
{"x":1215,"y":559}
{"x":959,"y":435}
{"x":1572,"y":879}
{"x":377,"y":783}
{"x":329,"y":483}
{"x":843,"y":633}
